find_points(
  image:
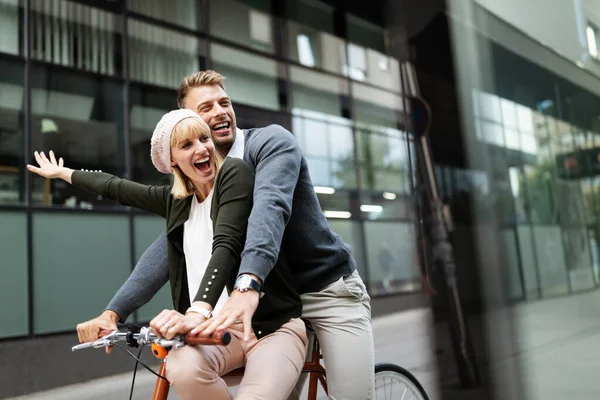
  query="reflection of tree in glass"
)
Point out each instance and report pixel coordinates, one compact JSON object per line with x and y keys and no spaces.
{"x":387,"y":263}
{"x":559,"y":201}
{"x":540,"y":186}
{"x":382,"y":165}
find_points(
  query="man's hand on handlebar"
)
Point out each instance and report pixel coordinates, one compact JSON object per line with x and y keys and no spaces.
{"x":88,"y":331}
{"x":239,"y":307}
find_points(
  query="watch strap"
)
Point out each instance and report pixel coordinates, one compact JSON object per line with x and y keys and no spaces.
{"x":200,"y":310}
{"x":253,"y":284}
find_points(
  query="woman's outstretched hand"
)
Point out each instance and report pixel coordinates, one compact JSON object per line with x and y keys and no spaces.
{"x":50,"y":168}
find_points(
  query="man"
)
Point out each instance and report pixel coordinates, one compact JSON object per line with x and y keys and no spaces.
{"x":286,"y":214}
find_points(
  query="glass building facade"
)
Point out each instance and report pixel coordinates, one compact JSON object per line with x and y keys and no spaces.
{"x":533,"y":118}
{"x":528,"y":86}
{"x":514,"y":92}
{"x":90,"y":79}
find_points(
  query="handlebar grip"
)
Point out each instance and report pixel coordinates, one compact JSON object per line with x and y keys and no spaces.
{"x":217,"y":338}
{"x":82,"y":346}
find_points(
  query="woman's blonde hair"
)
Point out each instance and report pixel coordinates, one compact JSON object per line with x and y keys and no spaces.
{"x":189,"y":129}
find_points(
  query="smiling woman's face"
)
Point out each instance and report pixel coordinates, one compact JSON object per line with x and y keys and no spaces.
{"x":193,"y":152}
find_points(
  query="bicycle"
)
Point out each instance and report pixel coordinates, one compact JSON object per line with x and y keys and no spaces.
{"x":390,"y":379}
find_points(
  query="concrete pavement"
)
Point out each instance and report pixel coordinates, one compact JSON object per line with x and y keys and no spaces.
{"x":402,"y":338}
{"x":555,"y":346}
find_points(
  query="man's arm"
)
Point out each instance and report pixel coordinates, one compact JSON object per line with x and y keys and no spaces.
{"x":277,"y":159}
{"x":149,"y":275}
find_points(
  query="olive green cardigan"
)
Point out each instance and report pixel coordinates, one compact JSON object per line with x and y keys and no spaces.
{"x":230,"y":209}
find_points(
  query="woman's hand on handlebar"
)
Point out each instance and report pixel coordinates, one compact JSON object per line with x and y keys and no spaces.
{"x":88,"y":331}
{"x":50,"y":168}
{"x":169,"y":323}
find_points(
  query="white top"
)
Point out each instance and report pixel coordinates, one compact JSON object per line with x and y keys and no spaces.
{"x":197,"y":246}
{"x":237,"y":148}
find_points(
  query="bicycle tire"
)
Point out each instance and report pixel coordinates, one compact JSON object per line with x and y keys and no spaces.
{"x":405,"y":378}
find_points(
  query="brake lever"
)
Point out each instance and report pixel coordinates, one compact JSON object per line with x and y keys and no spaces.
{"x":102,"y":342}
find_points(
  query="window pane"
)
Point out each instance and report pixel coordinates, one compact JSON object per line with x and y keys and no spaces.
{"x":340,"y":137}
{"x":312,"y":14}
{"x":147,"y":228}
{"x":13,"y":285}
{"x":365,"y":33}
{"x":79,"y":117}
{"x":239,"y":23}
{"x":147,"y":106}
{"x":376,"y":107}
{"x":313,"y":48}
{"x":9,"y":21}
{"x":11,"y":132}
{"x":489,"y":106}
{"x":160,"y":56}
{"x":373,"y":67}
{"x":319,"y":169}
{"x":75,"y":35}
{"x":77,"y":272}
{"x":528,"y":262}
{"x":392,"y":255}
{"x":317,"y":92}
{"x":576,"y":244}
{"x":551,"y":260}
{"x":316,"y":143}
{"x":342,"y":155}
{"x":338,"y":201}
{"x":329,"y":149}
{"x":383,"y":159}
{"x":388,"y":204}
{"x":180,"y":12}
{"x":250,"y":79}
{"x":351,"y":233}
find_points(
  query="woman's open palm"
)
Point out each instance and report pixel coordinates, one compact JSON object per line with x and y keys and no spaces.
{"x":47,"y":168}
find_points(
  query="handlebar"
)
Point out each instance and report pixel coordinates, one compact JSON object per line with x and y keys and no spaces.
{"x":145,"y":336}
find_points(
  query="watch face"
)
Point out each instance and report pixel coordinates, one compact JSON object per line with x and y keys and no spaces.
{"x":243,"y":282}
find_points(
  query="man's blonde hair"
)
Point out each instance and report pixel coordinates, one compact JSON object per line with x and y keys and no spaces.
{"x":200,"y":78}
{"x":189,"y":129}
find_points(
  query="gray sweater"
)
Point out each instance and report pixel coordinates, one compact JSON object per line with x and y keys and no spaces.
{"x":286,"y":214}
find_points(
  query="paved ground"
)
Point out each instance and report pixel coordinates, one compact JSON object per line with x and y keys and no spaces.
{"x":556,"y":348}
{"x":402,"y":338}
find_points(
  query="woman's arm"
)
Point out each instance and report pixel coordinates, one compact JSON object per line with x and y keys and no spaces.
{"x":153,"y":199}
{"x":233,"y":191}
{"x":149,"y":275}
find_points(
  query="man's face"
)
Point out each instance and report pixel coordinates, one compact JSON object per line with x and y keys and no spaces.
{"x":214,"y":107}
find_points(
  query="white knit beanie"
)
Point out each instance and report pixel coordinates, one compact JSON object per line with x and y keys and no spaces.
{"x":160,"y":144}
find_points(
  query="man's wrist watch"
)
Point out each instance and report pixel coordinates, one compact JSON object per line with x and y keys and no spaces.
{"x":245,"y":282}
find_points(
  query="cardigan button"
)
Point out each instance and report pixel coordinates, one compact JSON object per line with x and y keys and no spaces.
{"x":206,"y":289}
{"x":209,"y":282}
{"x":216,"y":270}
{"x":260,"y":332}
{"x":213,"y":277}
{"x":204,"y":296}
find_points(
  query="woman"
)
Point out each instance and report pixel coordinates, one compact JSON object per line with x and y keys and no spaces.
{"x":208,"y":195}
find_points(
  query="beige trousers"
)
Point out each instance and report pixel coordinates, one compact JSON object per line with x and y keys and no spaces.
{"x":273,"y":365}
{"x":341,"y":317}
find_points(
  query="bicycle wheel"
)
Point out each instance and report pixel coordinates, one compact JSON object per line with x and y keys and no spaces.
{"x":393,"y":382}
